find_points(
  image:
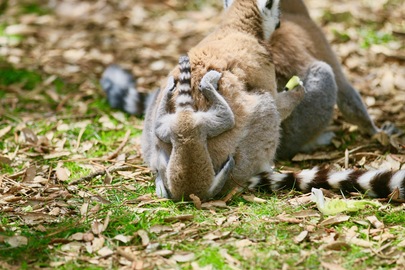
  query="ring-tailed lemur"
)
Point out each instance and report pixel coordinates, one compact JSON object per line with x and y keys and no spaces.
{"x":243,"y":154}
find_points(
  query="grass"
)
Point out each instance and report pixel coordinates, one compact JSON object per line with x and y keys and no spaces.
{"x":244,"y":235}
{"x":372,"y":36}
{"x":10,"y":75}
{"x":250,"y":236}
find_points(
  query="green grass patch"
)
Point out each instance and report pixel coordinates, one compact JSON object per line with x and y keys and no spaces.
{"x":373,"y":37}
{"x":10,"y":75}
{"x":34,"y":8}
{"x":11,"y":39}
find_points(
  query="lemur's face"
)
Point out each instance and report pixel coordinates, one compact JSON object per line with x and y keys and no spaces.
{"x":270,"y":12}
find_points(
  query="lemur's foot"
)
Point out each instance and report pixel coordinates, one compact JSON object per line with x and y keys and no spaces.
{"x":322,"y":140}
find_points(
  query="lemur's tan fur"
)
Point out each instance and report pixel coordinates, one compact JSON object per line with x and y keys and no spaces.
{"x":235,"y":46}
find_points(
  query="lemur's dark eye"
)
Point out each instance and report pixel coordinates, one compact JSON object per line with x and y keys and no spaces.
{"x":269,"y":4}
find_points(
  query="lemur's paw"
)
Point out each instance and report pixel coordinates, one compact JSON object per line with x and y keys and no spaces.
{"x":294,"y":82}
{"x":170,"y":86}
{"x":209,"y":81}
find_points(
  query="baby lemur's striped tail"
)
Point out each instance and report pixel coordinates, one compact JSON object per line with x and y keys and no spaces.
{"x":184,"y":99}
{"x":376,"y":183}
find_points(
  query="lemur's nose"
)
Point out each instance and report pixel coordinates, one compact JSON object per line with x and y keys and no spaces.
{"x":278,"y":25}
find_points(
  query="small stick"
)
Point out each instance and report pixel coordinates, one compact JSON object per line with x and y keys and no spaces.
{"x":233,"y":192}
{"x":100,"y":172}
{"x":79,"y":138}
{"x":118,"y":150}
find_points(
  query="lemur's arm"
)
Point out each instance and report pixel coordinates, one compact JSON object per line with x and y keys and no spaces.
{"x":219,"y":117}
{"x":163,"y":118}
{"x":287,"y":101}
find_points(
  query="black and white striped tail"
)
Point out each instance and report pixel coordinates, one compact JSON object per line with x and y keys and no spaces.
{"x":375,"y":183}
{"x":184,"y":98}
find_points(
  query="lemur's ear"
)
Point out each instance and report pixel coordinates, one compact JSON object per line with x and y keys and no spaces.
{"x":227,"y":3}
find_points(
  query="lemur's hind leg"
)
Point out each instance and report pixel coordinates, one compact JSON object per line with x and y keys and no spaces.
{"x":311,"y":117}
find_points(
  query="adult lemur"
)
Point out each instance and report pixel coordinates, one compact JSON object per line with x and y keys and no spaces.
{"x":293,"y":47}
{"x":236,"y":61}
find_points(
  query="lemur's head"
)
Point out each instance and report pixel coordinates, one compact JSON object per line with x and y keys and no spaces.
{"x":268,"y":9}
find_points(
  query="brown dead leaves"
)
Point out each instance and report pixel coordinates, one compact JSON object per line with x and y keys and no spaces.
{"x":77,"y":40}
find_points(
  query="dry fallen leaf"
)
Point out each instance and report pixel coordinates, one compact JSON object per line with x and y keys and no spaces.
{"x":336,"y":245}
{"x":179,"y":218}
{"x":105,"y":251}
{"x":4,"y":131}
{"x":160,"y":228}
{"x":97,"y":227}
{"x":30,"y":174}
{"x":144,"y":237}
{"x":16,"y":241}
{"x":252,"y":198}
{"x":123,"y":238}
{"x":288,"y":218}
{"x":214,"y":204}
{"x":196,"y":201}
{"x":5,"y":160}
{"x":183,"y":257}
{"x":375,"y":222}
{"x":332,"y":266}
{"x":334,"y":220}
{"x":62,"y":174}
{"x":301,"y":237}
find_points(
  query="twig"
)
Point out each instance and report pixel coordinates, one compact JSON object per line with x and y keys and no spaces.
{"x":233,"y":192}
{"x":118,"y":150}
{"x":82,"y":130}
{"x":68,"y":117}
{"x":100,"y":172}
